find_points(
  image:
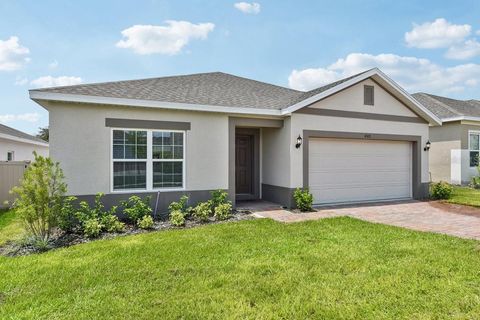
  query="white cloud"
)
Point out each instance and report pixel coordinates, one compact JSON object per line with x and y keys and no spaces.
{"x":53,"y":64}
{"x":169,"y":39}
{"x":21,"y":81}
{"x":245,"y":7}
{"x":414,"y":74}
{"x":12,"y":55}
{"x":437,"y":34}
{"x":49,"y":81}
{"x":466,"y":50}
{"x":27,"y":117}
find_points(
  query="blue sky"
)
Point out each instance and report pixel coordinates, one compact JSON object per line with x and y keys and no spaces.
{"x":427,"y":46}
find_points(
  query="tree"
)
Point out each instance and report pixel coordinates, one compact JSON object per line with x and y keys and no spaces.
{"x":43,"y":133}
{"x":40,"y":197}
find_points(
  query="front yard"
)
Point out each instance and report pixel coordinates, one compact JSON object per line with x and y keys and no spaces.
{"x":466,"y":196}
{"x":331,"y":268}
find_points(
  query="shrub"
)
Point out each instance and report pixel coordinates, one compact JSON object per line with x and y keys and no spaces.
{"x":202,"y":211}
{"x":136,"y":208}
{"x":218,"y":197}
{"x":223,"y":211}
{"x":111,"y":223}
{"x":475,"y":182}
{"x":441,"y":190}
{"x":146,"y":222}
{"x":181,"y":205}
{"x":39,"y":197}
{"x":67,"y":220}
{"x":303,"y":199}
{"x":92,"y":228}
{"x":177,"y":218}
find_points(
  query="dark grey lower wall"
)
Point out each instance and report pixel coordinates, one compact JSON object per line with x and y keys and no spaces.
{"x":424,"y":192}
{"x":164,"y":199}
{"x":280,"y":195}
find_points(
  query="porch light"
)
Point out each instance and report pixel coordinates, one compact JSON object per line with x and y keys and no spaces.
{"x":427,"y":146}
{"x":299,"y":142}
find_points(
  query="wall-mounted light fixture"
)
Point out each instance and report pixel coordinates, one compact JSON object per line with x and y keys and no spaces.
{"x":427,"y":146}
{"x":299,"y":142}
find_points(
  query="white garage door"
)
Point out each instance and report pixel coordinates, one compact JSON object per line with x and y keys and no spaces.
{"x":352,"y":170}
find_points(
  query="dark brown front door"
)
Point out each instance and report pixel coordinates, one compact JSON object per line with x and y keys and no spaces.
{"x":244,"y":165}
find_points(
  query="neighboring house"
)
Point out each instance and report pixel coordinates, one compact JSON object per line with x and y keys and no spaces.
{"x":16,"y":145}
{"x":358,"y":139}
{"x":455,"y":145}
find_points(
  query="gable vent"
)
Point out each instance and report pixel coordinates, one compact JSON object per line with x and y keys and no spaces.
{"x":368,"y":95}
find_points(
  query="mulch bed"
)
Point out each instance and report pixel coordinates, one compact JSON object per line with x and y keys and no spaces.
{"x":61,"y":239}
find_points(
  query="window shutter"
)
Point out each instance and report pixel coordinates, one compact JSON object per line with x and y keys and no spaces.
{"x":368,"y":95}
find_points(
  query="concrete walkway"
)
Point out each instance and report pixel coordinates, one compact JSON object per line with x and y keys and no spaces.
{"x":459,"y":221}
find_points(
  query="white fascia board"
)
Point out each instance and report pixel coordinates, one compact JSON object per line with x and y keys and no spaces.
{"x":413,"y":103}
{"x":460,"y":118}
{"x":17,"y":139}
{"x":52,"y":96}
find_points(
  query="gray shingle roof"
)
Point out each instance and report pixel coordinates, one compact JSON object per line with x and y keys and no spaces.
{"x":444,"y":107}
{"x":19,"y":134}
{"x":215,"y":89}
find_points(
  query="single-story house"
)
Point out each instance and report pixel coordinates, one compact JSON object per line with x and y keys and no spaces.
{"x":454,"y":145}
{"x":358,"y":139}
{"x":16,"y":145}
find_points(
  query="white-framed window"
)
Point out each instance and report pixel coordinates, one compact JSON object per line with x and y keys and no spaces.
{"x":10,"y":156}
{"x":147,"y":159}
{"x":474,"y":147}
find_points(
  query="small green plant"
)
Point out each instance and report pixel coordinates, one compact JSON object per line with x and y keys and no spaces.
{"x":92,"y":228}
{"x":111,"y":223}
{"x":146,"y":222}
{"x":67,"y":220}
{"x":40,"y":245}
{"x":441,"y":190}
{"x":202,"y":211}
{"x":181,"y":205}
{"x":40,"y":197}
{"x":136,"y":208}
{"x":223,"y":211}
{"x":177,"y":218}
{"x":303,"y":199}
{"x":218,"y":197}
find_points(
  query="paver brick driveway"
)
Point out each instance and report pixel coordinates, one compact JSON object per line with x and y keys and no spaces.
{"x":460,"y":221}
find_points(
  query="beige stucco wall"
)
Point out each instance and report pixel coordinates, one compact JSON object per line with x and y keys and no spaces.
{"x":81,"y":143}
{"x":276,"y":155}
{"x":351,"y":99}
{"x":22,"y":151}
{"x":450,"y":158}
{"x":444,"y":139}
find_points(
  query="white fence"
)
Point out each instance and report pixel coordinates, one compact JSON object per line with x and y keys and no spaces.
{"x":11,"y":173}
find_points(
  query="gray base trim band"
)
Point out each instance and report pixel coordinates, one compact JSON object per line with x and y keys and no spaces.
{"x":146,"y":124}
{"x":280,"y":195}
{"x":164,"y":200}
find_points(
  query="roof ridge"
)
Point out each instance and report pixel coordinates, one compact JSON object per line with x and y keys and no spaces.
{"x":446,"y":106}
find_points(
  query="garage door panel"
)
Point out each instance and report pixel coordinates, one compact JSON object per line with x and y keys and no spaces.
{"x":349,"y":170}
{"x":364,"y":177}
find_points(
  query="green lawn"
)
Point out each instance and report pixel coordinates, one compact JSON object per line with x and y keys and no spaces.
{"x":10,"y":226}
{"x":466,"y":196}
{"x":338,"y":268}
